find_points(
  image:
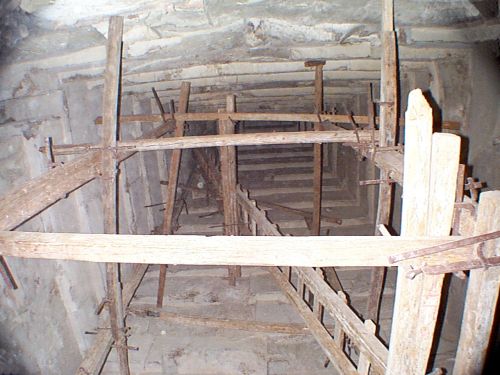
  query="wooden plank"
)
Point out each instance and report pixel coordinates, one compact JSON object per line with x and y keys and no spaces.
{"x":96,"y":355}
{"x":320,"y":251}
{"x":109,"y":194}
{"x":317,"y":151}
{"x":482,"y":295}
{"x":242,"y":116}
{"x":229,"y":177}
{"x":199,"y":321}
{"x":388,"y":129}
{"x":173,"y":174}
{"x":249,"y":139}
{"x":431,"y":165}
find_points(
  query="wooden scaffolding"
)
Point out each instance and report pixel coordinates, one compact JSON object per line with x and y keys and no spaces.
{"x":433,"y":203}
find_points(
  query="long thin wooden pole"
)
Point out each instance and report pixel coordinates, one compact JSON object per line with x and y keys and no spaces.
{"x":388,"y":129}
{"x":431,"y":164}
{"x":242,"y":116}
{"x":482,"y":295}
{"x":249,"y":139}
{"x":317,"y":151}
{"x":229,"y":181}
{"x":110,"y":105}
{"x":173,"y":176}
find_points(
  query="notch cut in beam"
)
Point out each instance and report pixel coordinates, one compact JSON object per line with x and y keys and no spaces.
{"x":321,"y":251}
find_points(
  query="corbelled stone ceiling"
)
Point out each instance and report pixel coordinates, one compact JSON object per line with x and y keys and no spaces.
{"x":253,"y":48}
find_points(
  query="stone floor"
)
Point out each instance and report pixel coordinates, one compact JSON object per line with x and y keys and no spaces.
{"x":166,"y":348}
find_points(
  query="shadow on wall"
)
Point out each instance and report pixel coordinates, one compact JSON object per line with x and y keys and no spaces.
{"x":484,"y":115}
{"x":15,"y":25}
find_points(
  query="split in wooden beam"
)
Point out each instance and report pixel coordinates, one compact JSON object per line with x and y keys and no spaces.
{"x":229,"y":181}
{"x":320,"y":251}
{"x":111,"y":96}
{"x":173,"y":176}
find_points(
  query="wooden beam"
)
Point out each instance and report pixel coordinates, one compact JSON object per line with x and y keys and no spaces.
{"x":233,"y":140}
{"x":320,"y":251}
{"x":431,"y":165}
{"x":241,"y":116}
{"x":317,"y":148}
{"x":388,"y":133}
{"x":23,"y":202}
{"x":96,"y":355}
{"x":173,"y":175}
{"x":199,"y":321}
{"x":482,"y":295}
{"x":229,"y":181}
{"x":111,"y":96}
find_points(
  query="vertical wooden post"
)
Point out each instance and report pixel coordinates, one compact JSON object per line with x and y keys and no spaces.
{"x":388,"y":129}
{"x":482,"y":295}
{"x":317,"y":173}
{"x":173,"y":175}
{"x":431,"y":167}
{"x":229,"y":180}
{"x":111,"y":97}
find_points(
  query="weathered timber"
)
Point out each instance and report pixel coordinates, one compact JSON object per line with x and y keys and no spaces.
{"x":109,"y":192}
{"x":229,"y":181}
{"x":305,"y":214}
{"x":240,"y":116}
{"x":256,"y":116}
{"x":173,"y":175}
{"x":388,"y":132}
{"x":236,"y":140}
{"x":96,"y":355}
{"x":317,"y":148}
{"x":199,"y":321}
{"x":320,"y":251}
{"x":431,"y":164}
{"x":481,"y":300}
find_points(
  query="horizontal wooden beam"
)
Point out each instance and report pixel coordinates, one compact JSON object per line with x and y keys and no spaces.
{"x":322,"y":251}
{"x":200,"y":321}
{"x":249,"y":139}
{"x":240,"y":116}
{"x":256,"y":116}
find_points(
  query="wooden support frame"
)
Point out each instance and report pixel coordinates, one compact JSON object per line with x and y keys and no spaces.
{"x":373,"y":354}
{"x":388,"y":132}
{"x":431,"y":162}
{"x":111,"y":97}
{"x":96,"y":356}
{"x":229,"y":181}
{"x":250,"y":139}
{"x":481,"y":300}
{"x":317,"y":147}
{"x":173,"y":176}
